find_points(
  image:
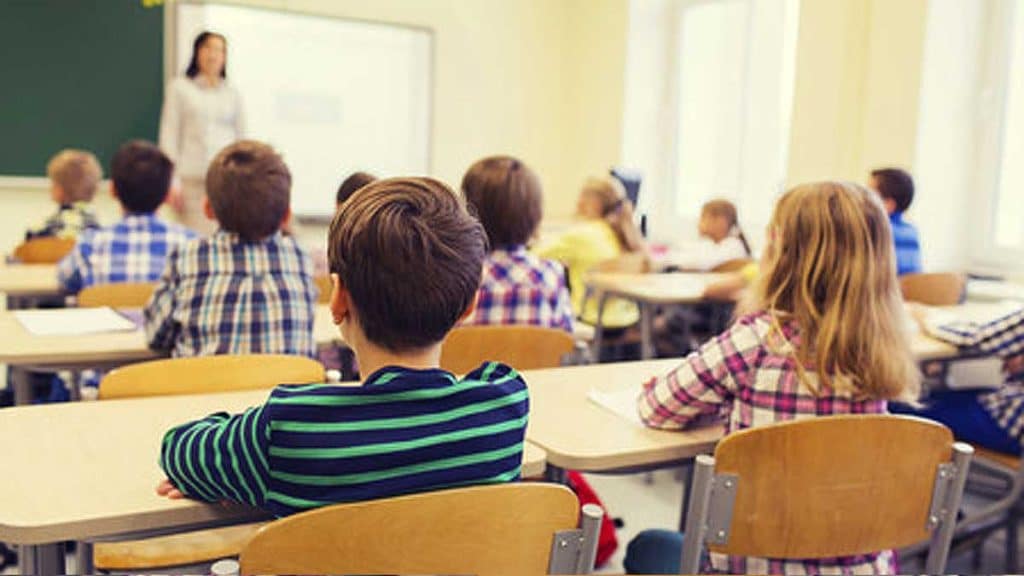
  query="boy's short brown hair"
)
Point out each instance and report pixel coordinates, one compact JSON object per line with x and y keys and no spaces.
{"x":895,"y":184}
{"x":77,"y":172}
{"x":410,"y":255}
{"x":349,"y":185}
{"x":141,"y":173}
{"x":506,"y":195}
{"x":249,"y":187}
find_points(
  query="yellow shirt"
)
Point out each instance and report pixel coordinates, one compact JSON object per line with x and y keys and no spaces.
{"x":579,"y":249}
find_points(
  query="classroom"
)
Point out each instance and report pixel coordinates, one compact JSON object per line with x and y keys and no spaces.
{"x":512,"y":286}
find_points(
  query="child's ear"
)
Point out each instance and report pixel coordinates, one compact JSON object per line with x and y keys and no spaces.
{"x":113,"y":190}
{"x":469,"y":310}
{"x":287,"y":220}
{"x":340,"y":300}
{"x":208,"y":209}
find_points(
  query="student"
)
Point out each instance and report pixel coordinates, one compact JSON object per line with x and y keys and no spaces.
{"x":607,"y":231}
{"x":248,"y":288}
{"x":349,"y":185}
{"x":722,"y":239}
{"x":517,"y":287}
{"x":410,"y":427}
{"x":896,"y":187}
{"x":992,"y":419}
{"x":74,"y":176}
{"x":794,"y":354}
{"x":136,"y":248}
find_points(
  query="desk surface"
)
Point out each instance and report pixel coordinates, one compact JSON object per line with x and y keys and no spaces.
{"x":89,"y":469}
{"x":674,"y":288}
{"x":29,"y":279}
{"x":18,"y":347}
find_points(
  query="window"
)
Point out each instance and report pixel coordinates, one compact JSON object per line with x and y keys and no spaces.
{"x":708,"y":105}
{"x":1009,"y":205}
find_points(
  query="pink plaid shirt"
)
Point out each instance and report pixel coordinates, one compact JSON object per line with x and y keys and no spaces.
{"x":520,"y":288}
{"x":750,"y":380}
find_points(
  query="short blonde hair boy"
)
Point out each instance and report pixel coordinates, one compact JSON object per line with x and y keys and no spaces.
{"x":77,"y":173}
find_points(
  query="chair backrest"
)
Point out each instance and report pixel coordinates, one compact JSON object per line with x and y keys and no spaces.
{"x":324,"y":285}
{"x":485,"y":530}
{"x":827,"y":487}
{"x":48,"y":250}
{"x":521,"y":347}
{"x":227,"y":373}
{"x":734,"y":265}
{"x":936,"y":289}
{"x":126,"y":295}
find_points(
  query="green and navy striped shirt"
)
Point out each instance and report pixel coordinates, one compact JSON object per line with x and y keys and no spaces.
{"x":402,"y":431}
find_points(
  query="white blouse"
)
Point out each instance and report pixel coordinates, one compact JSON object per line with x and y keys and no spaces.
{"x":705,"y":254}
{"x":197,"y":121}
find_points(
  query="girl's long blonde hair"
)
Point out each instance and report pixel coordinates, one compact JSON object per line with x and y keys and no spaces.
{"x":616,"y":210}
{"x":830,"y":267}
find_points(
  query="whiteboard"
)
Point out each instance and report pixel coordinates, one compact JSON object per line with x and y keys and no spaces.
{"x":333,"y":96}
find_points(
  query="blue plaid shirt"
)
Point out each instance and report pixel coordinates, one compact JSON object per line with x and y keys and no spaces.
{"x":133,"y":250}
{"x":220,"y":295}
{"x":908,"y":247}
{"x":520,"y":288}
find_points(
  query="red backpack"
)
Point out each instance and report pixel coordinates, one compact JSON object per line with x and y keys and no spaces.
{"x":607,"y":543}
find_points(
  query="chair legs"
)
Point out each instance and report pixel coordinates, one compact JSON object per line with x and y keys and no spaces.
{"x":1012,"y":543}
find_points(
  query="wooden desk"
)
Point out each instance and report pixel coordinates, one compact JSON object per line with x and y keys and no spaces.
{"x":90,"y":470}
{"x":26,"y":281}
{"x":23,"y":350}
{"x":648,"y":291}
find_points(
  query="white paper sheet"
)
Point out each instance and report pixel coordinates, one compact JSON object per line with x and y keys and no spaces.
{"x":621,"y":402}
{"x":73,"y":321}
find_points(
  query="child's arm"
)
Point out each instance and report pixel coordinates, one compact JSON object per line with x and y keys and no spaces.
{"x":220,"y":457}
{"x":703,"y":383}
{"x":161,"y":328}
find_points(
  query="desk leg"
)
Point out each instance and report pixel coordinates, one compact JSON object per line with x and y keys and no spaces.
{"x":41,"y":559}
{"x":83,"y":558}
{"x":556,"y":475}
{"x":646,"y":331}
{"x":21,"y":384}
{"x":687,"y":482}
{"x":599,"y":328}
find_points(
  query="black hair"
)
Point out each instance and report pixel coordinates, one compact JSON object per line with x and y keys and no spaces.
{"x":141,"y":175}
{"x":193,"y":66}
{"x":896,"y":185}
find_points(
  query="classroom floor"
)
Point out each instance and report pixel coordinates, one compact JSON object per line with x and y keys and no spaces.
{"x":656,"y":505}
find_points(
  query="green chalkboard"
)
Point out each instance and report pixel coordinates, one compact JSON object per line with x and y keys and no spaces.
{"x":76,"y":73}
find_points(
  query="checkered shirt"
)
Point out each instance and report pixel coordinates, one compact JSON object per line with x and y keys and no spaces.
{"x":520,"y":288}
{"x":1001,"y":336}
{"x":748,"y":378}
{"x":220,"y":295}
{"x":133,"y":250}
{"x":69,"y":221}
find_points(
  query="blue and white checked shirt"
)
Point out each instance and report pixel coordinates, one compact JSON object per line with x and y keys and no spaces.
{"x":520,"y":288}
{"x":220,"y":295}
{"x":1001,"y":336}
{"x":133,"y":250}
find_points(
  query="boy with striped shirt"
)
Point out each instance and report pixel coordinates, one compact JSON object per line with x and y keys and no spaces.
{"x":406,"y":259}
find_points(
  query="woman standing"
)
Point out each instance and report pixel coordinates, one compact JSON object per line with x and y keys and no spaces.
{"x":202,"y":113}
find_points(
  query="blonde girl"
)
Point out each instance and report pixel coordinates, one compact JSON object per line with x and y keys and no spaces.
{"x":606,"y":231}
{"x":794,"y":351}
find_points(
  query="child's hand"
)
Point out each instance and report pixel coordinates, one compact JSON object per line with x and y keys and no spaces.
{"x":169,"y":490}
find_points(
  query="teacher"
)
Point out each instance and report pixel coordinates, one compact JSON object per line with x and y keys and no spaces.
{"x":202,"y":113}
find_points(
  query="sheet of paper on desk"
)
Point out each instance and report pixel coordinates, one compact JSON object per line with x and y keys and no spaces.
{"x":621,"y":402}
{"x":73,"y":321}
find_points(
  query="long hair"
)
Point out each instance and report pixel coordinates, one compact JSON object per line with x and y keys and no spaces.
{"x":830,"y":267}
{"x":726,"y":209}
{"x":193,"y":65}
{"x":616,"y":210}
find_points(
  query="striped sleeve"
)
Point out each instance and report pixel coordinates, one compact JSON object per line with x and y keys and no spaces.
{"x":161,"y":330}
{"x":702,"y":383}
{"x":220,"y":457}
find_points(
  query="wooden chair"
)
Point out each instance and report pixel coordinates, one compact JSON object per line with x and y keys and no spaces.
{"x":522,"y":347}
{"x":208,"y":374}
{"x":937,"y":289}
{"x":191,"y":376}
{"x":826,"y":487}
{"x":521,"y":528}
{"x":47,"y":250}
{"x":734,"y":265}
{"x":324,"y":285}
{"x":125,"y":295}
